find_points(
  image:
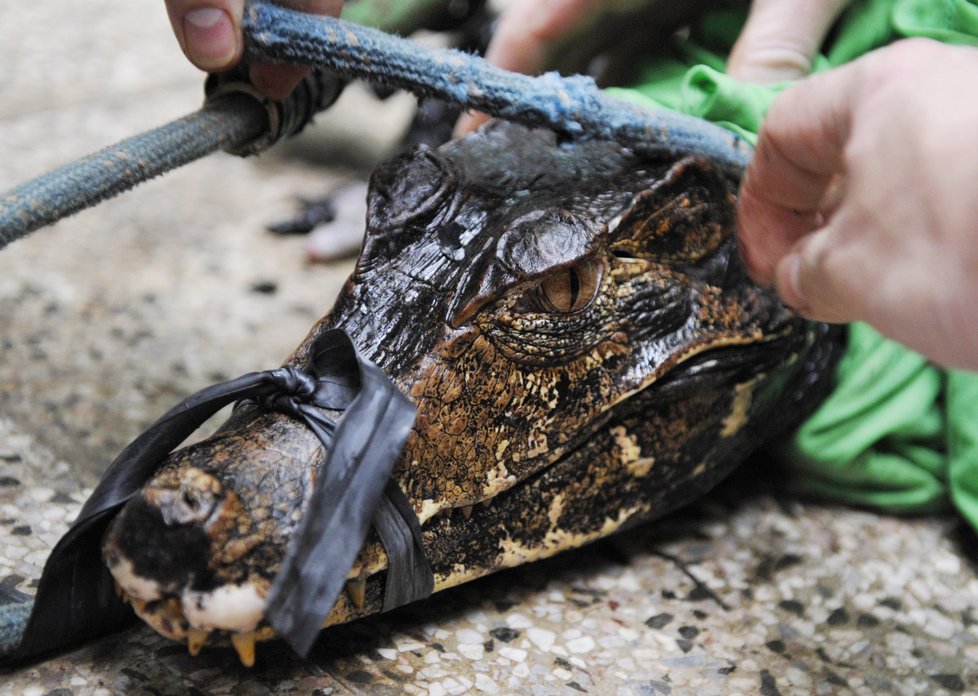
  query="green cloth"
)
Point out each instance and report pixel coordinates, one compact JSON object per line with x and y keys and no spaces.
{"x":898,"y":434}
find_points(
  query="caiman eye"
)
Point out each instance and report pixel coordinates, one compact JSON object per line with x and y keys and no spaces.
{"x":571,"y":289}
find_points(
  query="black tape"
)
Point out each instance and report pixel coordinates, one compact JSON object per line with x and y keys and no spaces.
{"x":368,"y":442}
{"x":409,"y":575}
{"x":76,"y":598}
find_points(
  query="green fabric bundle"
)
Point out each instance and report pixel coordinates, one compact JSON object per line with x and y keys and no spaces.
{"x":898,"y":434}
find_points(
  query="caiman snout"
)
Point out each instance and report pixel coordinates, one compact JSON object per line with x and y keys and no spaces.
{"x":159,"y":548}
{"x":194,"y":559}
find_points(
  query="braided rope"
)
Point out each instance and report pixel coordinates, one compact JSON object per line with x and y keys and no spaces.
{"x":118,"y":168}
{"x":572,"y":106}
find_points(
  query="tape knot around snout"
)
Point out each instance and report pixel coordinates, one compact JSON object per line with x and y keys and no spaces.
{"x":290,"y":388}
{"x":355,"y":490}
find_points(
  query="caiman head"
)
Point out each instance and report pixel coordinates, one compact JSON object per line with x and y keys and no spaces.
{"x":584,"y":350}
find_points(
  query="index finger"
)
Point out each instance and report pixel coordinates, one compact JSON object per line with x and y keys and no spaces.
{"x":799,"y":149}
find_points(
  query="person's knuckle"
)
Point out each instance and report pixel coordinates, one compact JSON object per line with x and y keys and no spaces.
{"x":783,"y":55}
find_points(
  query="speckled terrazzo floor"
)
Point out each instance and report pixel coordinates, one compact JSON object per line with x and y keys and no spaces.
{"x":107,"y":319}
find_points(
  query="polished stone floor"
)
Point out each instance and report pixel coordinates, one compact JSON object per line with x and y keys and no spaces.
{"x":108,"y":318}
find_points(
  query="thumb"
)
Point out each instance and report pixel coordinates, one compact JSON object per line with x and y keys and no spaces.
{"x":780,"y":39}
{"x":817,"y":281}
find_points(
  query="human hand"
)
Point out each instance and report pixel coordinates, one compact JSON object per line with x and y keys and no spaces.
{"x":780,"y":39}
{"x":533,"y":36}
{"x":859,"y":202}
{"x":209,"y":32}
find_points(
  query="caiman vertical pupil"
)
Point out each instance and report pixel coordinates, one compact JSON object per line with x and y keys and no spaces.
{"x":570,"y":290}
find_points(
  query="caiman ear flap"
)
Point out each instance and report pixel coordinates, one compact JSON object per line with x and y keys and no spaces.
{"x":683,"y":218}
{"x":405,"y":192}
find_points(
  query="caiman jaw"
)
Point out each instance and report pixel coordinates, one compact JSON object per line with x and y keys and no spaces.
{"x":584,"y":352}
{"x":195,"y":507}
{"x":701,"y":366}
{"x":166,"y":615}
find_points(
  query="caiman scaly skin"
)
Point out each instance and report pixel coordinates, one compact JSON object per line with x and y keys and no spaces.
{"x":584,"y":350}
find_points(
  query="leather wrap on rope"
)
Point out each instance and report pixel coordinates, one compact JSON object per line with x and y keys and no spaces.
{"x":76,"y":598}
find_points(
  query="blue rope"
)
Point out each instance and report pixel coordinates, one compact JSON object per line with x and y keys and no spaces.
{"x":573,"y":106}
{"x":13,"y":622}
{"x":118,"y":168}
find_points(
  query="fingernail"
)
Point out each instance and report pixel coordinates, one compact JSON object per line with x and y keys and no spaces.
{"x":210,"y":38}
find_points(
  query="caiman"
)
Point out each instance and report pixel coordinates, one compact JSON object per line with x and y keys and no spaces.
{"x":584,"y":350}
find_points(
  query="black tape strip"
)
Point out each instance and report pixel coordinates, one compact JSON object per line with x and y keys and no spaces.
{"x":76,"y":598}
{"x":367,"y":444}
{"x":409,"y":575}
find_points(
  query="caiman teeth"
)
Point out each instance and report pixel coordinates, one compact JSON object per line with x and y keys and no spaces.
{"x":357,"y":589}
{"x":196,"y":639}
{"x":138,"y":604}
{"x":244,"y":645}
{"x":467,"y":511}
{"x":120,"y":593}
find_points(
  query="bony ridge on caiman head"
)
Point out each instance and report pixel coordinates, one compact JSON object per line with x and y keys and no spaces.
{"x":582,"y":345}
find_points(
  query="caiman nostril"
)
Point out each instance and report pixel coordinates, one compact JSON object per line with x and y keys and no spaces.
{"x":191,"y":502}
